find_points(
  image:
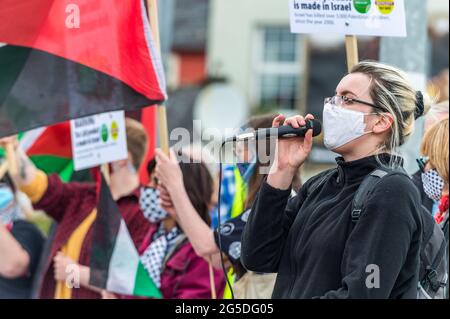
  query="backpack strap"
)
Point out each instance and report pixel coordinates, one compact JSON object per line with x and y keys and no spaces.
{"x":432,"y":274}
{"x":363,"y":192}
{"x":429,"y":272}
{"x":366,"y":188}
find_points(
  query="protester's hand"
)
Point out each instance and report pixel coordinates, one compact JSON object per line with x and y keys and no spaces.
{"x":108,"y":295}
{"x":291,"y":153}
{"x":61,"y":265}
{"x":166,"y":201}
{"x":168,"y":171}
{"x":25,"y":170}
{"x":11,"y":140}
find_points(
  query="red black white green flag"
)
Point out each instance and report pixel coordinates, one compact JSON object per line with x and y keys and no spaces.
{"x":64,"y":59}
{"x":115,"y":262}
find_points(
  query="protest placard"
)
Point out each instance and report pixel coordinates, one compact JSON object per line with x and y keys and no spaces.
{"x":349,"y":17}
{"x":98,"y":139}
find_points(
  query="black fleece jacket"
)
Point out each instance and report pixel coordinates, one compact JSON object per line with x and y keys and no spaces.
{"x":311,"y":242}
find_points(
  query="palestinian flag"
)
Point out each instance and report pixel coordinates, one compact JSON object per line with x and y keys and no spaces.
{"x":115,"y":263}
{"x":65,"y":59}
{"x":49,"y":148}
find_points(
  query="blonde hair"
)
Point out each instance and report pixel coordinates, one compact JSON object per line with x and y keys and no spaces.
{"x":137,"y":141}
{"x":435,"y":147}
{"x":391,"y":91}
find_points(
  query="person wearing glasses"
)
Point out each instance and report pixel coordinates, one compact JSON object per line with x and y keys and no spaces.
{"x":311,"y":240}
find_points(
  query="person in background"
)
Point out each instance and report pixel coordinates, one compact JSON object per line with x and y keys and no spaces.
{"x":20,"y":246}
{"x":435,"y":115}
{"x":438,"y":86}
{"x":73,"y":207}
{"x":167,"y":253}
{"x":312,"y":240}
{"x":434,"y":168}
{"x":236,"y":177}
{"x":410,"y":150}
{"x":206,"y":241}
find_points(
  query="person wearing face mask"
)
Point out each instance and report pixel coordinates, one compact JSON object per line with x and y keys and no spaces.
{"x":73,"y":207}
{"x":167,"y":252}
{"x":207,"y":242}
{"x":434,"y":167}
{"x":236,"y":178}
{"x":312,"y":240}
{"x":20,"y":247}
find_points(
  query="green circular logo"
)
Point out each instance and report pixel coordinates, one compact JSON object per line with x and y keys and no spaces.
{"x":362,"y":6}
{"x":104,"y":133}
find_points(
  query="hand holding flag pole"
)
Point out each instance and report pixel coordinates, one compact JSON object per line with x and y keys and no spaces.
{"x":10,"y":165}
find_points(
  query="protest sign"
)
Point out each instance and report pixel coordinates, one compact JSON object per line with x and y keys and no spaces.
{"x":349,"y":17}
{"x":98,"y":139}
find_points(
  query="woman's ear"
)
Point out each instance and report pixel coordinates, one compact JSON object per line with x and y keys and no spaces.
{"x":383,"y":124}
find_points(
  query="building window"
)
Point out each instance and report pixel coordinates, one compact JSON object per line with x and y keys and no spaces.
{"x":277,"y":67}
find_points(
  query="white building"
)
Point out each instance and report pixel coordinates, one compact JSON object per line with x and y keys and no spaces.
{"x":250,"y":44}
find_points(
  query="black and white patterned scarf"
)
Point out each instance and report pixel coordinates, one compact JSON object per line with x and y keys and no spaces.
{"x":153,"y":257}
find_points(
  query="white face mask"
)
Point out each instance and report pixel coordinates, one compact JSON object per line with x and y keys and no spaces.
{"x":341,"y":126}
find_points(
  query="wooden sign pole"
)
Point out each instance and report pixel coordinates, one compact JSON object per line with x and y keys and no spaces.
{"x":351,"y":46}
{"x":162,"y":114}
{"x":211,"y":279}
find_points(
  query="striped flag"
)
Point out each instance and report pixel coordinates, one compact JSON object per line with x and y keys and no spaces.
{"x":49,"y":148}
{"x":66,"y":59}
{"x":115,"y":263}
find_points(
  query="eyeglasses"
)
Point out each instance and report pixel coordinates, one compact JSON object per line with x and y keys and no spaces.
{"x":422,"y":162}
{"x":341,"y":100}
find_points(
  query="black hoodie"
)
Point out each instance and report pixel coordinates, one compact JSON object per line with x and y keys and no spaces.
{"x":311,"y":242}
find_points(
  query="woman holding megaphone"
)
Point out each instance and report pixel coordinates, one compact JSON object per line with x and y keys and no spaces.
{"x":318,"y":242}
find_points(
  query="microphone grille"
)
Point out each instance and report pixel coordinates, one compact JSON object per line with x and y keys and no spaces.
{"x":316,"y":126}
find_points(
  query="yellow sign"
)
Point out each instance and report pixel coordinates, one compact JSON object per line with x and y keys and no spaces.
{"x":114,"y":130}
{"x":385,"y":6}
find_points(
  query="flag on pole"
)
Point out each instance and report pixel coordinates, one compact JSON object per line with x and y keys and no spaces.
{"x":66,"y":59}
{"x":148,"y":119}
{"x":115,"y":263}
{"x":49,"y":148}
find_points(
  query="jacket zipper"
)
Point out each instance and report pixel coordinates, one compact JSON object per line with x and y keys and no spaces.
{"x":338,"y":180}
